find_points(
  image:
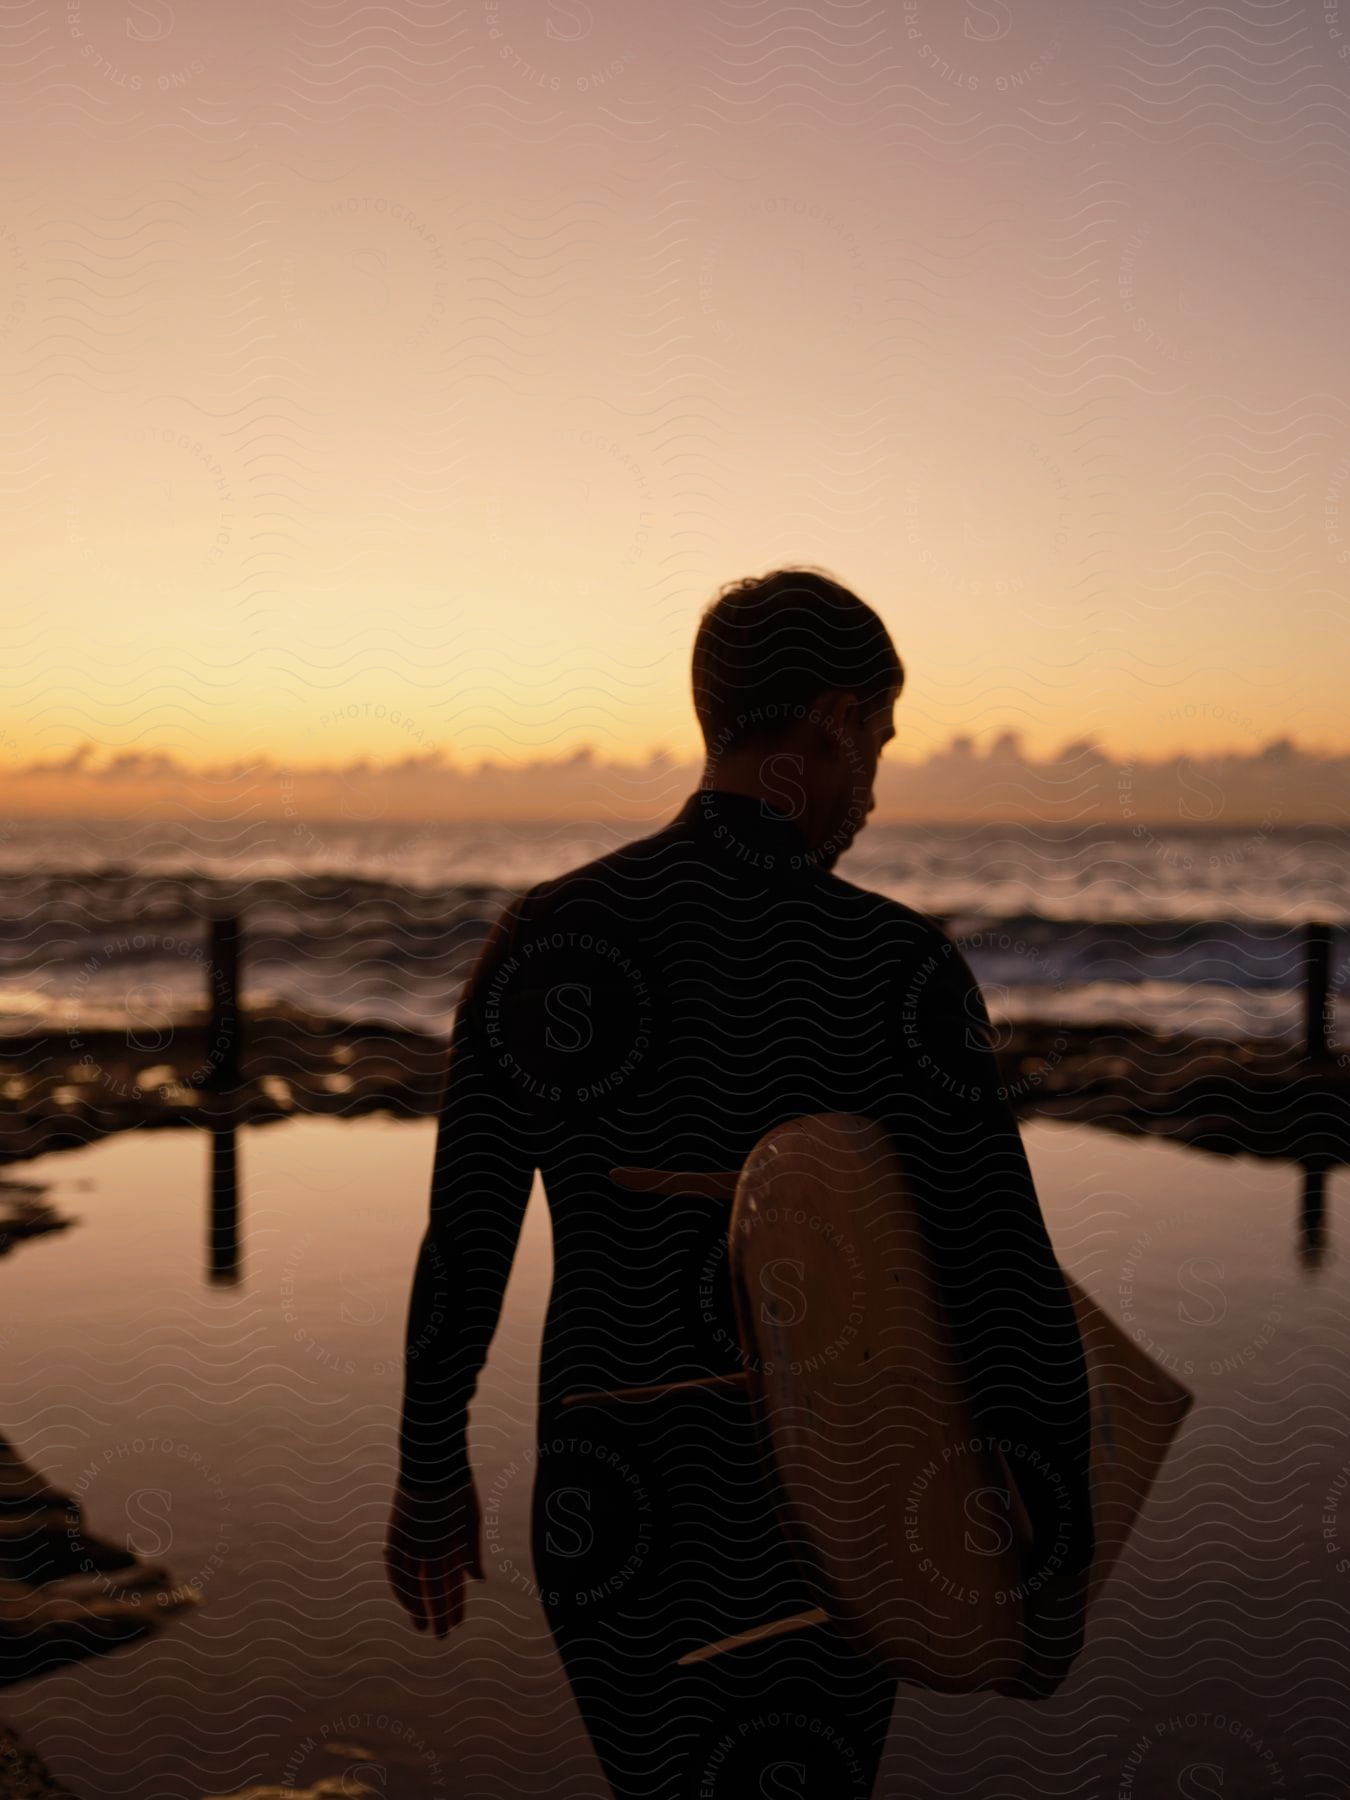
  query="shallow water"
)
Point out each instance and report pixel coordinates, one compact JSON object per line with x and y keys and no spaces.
{"x":243,"y":1434}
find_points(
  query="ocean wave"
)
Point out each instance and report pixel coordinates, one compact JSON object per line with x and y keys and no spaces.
{"x":100,"y":924}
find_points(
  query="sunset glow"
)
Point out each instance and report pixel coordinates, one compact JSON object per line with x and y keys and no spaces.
{"x":382,"y":383}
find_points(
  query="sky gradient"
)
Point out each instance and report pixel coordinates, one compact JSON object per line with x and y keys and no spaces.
{"x":441,"y":362}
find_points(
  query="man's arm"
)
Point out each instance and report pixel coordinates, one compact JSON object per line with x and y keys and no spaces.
{"x":1012,"y":1319}
{"x":480,"y":1186}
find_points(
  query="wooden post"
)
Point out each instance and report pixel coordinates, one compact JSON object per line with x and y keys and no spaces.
{"x":223,"y":1047}
{"x":223,"y":1034}
{"x":1317,"y":990}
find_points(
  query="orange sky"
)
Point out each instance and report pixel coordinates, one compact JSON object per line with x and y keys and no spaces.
{"x":440,"y":364}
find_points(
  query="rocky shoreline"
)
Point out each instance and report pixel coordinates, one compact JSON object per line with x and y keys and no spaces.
{"x":23,"y":1774}
{"x":1255,"y":1098}
{"x":65,"y":1595}
{"x":56,"y":1092}
{"x":59,"y":1092}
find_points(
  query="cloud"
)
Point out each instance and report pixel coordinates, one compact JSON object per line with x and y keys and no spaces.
{"x":1277,"y":785}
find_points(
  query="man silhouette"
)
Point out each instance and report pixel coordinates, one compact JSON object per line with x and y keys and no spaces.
{"x":664,"y":1007}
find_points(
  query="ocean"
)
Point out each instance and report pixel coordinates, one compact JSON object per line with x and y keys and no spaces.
{"x":103,"y":922}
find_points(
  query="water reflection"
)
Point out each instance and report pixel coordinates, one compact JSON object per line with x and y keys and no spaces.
{"x":222,"y":1236}
{"x":1312,"y":1215}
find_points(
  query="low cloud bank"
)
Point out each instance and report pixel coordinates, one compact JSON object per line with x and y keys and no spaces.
{"x":1280,"y":784}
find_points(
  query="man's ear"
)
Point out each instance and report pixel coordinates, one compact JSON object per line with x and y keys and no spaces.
{"x":837,"y":711}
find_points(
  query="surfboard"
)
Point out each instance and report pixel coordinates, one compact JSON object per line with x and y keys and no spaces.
{"x":905,"y":1519}
{"x":905,"y":1516}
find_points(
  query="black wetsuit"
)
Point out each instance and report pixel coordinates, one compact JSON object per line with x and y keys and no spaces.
{"x":664,"y":1007}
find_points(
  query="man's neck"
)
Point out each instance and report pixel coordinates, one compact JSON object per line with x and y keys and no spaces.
{"x":739,"y":775}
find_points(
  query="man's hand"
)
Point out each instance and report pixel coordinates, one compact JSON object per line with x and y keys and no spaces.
{"x":433,"y":1542}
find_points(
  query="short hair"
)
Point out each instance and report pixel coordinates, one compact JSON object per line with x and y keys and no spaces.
{"x":768,"y":646}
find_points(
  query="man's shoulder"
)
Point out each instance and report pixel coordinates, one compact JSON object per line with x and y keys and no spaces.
{"x":611,"y":883}
{"x":639,"y":860}
{"x":913,"y":947}
{"x":907,"y":924}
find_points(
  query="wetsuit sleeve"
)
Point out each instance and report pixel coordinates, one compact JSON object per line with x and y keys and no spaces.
{"x":480,"y":1185}
{"x":1013,"y":1322}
